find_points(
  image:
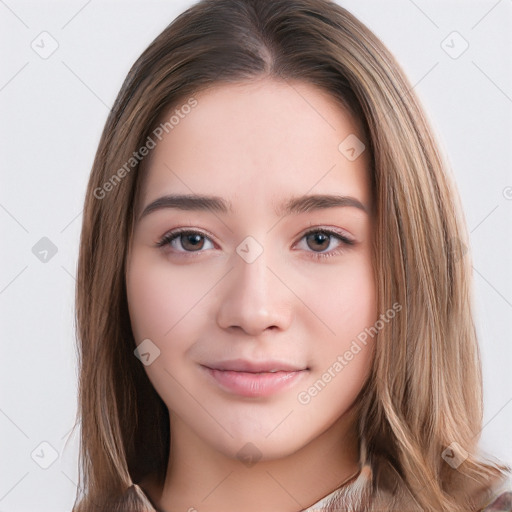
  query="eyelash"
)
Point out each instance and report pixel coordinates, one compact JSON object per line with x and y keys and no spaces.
{"x":345,"y":242}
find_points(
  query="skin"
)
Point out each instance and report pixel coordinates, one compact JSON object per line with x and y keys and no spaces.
{"x":255,"y":144}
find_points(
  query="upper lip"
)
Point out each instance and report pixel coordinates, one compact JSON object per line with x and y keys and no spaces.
{"x":243,"y":365}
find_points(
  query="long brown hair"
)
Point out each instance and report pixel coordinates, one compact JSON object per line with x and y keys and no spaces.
{"x":424,"y":394}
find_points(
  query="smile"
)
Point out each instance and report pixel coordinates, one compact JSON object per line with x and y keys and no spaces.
{"x":254,"y":383}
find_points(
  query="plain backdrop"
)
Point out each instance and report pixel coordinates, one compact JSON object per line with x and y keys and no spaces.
{"x":53,"y":108}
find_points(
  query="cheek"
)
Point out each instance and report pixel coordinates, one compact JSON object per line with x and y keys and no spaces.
{"x":347,"y":303}
{"x":149,"y":301}
{"x":164,"y":305}
{"x":342,"y":359}
{"x":349,"y":309}
{"x":160,"y":297}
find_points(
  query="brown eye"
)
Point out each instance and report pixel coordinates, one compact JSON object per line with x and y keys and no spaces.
{"x":183,"y":241}
{"x":191,"y":241}
{"x":318,"y":240}
{"x":322,"y":243}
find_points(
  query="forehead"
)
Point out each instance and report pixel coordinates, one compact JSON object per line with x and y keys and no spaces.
{"x":258,"y":141}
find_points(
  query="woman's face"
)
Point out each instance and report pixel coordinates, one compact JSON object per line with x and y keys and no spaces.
{"x":253,"y":321}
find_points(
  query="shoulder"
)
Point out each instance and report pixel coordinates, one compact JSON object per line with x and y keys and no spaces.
{"x":500,"y":495}
{"x":503,"y":503}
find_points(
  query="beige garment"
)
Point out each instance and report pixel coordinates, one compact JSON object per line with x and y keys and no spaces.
{"x":501,"y":503}
{"x":316,"y":507}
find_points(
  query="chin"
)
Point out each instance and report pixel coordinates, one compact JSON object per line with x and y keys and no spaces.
{"x":264,"y":443}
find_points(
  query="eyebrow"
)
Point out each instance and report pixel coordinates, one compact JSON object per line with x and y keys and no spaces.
{"x":216,"y":204}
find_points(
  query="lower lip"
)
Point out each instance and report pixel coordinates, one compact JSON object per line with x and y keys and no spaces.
{"x":254,"y":384}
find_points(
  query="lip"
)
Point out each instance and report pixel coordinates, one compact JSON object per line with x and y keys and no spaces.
{"x":244,"y":365}
{"x":254,"y":379}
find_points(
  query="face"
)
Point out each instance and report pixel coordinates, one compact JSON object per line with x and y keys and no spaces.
{"x":253,"y":302}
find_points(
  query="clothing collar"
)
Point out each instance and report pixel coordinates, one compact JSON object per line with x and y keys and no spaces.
{"x":316,"y":507}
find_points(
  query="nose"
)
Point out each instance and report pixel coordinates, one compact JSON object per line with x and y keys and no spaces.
{"x":254,"y":299}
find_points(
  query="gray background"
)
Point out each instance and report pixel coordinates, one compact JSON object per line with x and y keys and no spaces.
{"x":52,"y":112}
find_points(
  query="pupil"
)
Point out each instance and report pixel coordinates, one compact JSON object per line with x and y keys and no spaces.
{"x":194,"y":240}
{"x":321,"y":239}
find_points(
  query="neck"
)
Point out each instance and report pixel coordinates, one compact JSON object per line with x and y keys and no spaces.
{"x":200,"y":478}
